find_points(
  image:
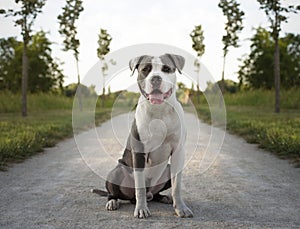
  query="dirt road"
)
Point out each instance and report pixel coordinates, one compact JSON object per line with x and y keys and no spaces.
{"x":245,"y":187}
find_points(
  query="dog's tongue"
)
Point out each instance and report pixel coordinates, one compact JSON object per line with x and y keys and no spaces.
{"x":156,"y":98}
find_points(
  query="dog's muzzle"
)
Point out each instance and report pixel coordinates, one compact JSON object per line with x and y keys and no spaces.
{"x":157,"y":96}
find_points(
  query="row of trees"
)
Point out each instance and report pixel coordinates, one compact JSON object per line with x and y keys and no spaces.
{"x":32,"y":56}
{"x":255,"y":69}
{"x":29,"y":10}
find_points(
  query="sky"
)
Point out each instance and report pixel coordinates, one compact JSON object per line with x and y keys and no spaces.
{"x":132,"y":22}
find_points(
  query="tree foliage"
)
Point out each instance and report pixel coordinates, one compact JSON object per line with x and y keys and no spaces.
{"x":198,"y":40}
{"x":198,"y":45}
{"x":257,"y":69}
{"x":26,"y":16}
{"x":104,"y":40}
{"x":233,"y":25}
{"x":67,"y":26}
{"x":229,"y":87}
{"x":276,"y":14}
{"x":45,"y":73}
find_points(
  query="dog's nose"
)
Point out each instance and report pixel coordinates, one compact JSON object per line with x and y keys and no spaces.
{"x":156,"y":81}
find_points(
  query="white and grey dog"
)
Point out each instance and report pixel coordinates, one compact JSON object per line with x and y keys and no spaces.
{"x":154,"y":156}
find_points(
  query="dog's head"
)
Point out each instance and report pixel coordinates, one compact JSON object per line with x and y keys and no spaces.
{"x":156,"y":75}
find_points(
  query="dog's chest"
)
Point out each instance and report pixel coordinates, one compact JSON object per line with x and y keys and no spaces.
{"x":159,"y":133}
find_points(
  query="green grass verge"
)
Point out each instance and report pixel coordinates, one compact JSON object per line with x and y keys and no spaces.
{"x":49,"y":121}
{"x":21,"y":138}
{"x":250,"y":115}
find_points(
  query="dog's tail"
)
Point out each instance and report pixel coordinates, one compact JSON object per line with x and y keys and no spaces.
{"x":99,"y":192}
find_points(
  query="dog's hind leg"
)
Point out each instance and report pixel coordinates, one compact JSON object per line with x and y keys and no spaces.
{"x":120,"y":185}
{"x":113,"y":190}
{"x":165,"y":199}
{"x":113,"y":181}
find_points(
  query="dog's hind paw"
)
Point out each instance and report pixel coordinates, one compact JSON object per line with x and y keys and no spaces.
{"x":112,"y":205}
{"x":165,"y":199}
{"x":149,"y":196}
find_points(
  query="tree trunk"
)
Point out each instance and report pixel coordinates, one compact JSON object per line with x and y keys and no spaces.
{"x":24,"y":78}
{"x":198,"y":94}
{"x":103,"y":96}
{"x":103,"y":78}
{"x":276,"y":63}
{"x":221,"y":103}
{"x":277,"y":76}
{"x":79,"y":93}
{"x":198,"y":84}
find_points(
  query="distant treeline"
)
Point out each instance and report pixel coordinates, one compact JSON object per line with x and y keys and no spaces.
{"x":45,"y":71}
{"x":257,"y":68}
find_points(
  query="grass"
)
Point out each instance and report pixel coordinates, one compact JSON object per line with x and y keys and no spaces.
{"x":250,"y":115}
{"x":49,"y":121}
{"x":11,"y":103}
{"x":290,"y":99}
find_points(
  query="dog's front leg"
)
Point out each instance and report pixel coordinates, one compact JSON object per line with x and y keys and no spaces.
{"x":141,"y":208}
{"x":177,"y":163}
{"x":139,"y":162}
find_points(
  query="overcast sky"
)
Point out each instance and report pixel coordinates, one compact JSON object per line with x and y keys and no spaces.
{"x":132,"y":22}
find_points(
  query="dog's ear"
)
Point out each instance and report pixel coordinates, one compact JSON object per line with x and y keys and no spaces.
{"x":173,"y":60}
{"x":176,"y":60}
{"x":135,"y":62}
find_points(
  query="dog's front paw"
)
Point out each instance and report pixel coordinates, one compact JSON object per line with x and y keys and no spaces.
{"x":112,"y":205}
{"x":142,"y":212}
{"x":184,"y":212}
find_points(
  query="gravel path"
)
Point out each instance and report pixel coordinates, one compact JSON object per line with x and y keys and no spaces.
{"x":245,"y":187}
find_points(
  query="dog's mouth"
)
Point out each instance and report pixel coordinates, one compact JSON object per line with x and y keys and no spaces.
{"x":157,"y":97}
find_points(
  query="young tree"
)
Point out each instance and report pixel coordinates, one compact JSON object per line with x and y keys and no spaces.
{"x":68,"y":29}
{"x":199,"y":47}
{"x":276,"y":15}
{"x":233,"y":25}
{"x":25,"y":18}
{"x":103,"y":48}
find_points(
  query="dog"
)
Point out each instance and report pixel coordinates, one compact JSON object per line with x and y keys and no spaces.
{"x":153,"y":159}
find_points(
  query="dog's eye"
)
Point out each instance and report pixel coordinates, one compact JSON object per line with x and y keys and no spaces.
{"x":146,"y":69}
{"x":167,"y":69}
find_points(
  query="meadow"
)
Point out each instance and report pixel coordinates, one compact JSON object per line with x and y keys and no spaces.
{"x":250,"y":114}
{"x":49,"y":121}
